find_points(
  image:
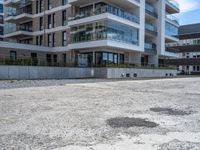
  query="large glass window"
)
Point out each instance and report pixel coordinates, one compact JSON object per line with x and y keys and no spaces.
{"x":64,"y":18}
{"x":64,"y":38}
{"x":49,"y":4}
{"x":170,"y":29}
{"x":1,"y":8}
{"x":64,"y":2}
{"x":13,"y":55}
{"x":106,"y":58}
{"x":105,"y":30}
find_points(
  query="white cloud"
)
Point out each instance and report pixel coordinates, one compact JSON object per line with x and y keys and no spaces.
{"x":189,"y":5}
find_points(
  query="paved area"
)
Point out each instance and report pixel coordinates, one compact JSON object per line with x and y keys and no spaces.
{"x":161,"y":114}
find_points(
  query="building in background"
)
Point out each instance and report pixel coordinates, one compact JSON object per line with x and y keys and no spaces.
{"x":188,"y":49}
{"x":88,"y":33}
{"x":1,"y":20}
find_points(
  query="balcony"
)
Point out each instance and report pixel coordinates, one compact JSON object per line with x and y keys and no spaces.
{"x":19,"y":32}
{"x":151,"y":29}
{"x":106,"y":9}
{"x":127,"y":4}
{"x":16,"y":3}
{"x":150,"y":48}
{"x":150,"y":10}
{"x":172,"y":19}
{"x":172,"y":6}
{"x":18,"y":17}
{"x":188,"y":45}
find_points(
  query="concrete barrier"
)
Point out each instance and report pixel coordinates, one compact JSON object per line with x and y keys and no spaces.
{"x":36,"y":72}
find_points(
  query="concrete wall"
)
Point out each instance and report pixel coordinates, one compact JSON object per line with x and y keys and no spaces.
{"x":31,"y":72}
{"x":140,"y":73}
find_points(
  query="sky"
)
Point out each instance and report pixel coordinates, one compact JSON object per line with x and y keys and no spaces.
{"x":190,"y":11}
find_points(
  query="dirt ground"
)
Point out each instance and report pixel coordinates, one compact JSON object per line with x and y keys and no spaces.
{"x":162,"y":114}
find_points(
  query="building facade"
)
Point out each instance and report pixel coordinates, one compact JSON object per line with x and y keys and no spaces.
{"x":90,"y":32}
{"x":1,"y":20}
{"x":188,"y":49}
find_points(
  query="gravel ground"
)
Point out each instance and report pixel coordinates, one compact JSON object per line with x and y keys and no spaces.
{"x":94,"y":114}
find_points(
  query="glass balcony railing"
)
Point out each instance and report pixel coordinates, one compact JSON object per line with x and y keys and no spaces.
{"x":150,"y":10}
{"x":19,"y":28}
{"x":106,"y":9}
{"x":173,"y":3}
{"x":18,"y":13}
{"x":150,"y":47}
{"x":172,"y":18}
{"x":151,"y":28}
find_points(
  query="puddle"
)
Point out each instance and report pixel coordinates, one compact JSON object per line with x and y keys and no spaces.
{"x":170,"y":111}
{"x":125,"y":122}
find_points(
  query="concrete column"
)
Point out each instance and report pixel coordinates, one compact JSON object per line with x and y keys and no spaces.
{"x":135,"y":58}
{"x":153,"y":60}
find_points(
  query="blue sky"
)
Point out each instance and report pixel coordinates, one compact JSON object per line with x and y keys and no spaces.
{"x":190,"y":11}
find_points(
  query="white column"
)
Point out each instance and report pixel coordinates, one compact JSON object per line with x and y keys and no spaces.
{"x":135,"y":58}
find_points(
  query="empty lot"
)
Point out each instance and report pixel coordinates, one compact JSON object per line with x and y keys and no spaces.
{"x":161,"y":114}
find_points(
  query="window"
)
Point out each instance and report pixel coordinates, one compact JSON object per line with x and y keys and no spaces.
{"x":13,"y":55}
{"x":41,"y":40}
{"x":48,"y":58}
{"x":1,"y":19}
{"x":37,"y":40}
{"x":64,"y":58}
{"x":121,"y":58}
{"x":64,"y":2}
{"x":194,"y":68}
{"x":34,"y":58}
{"x":103,"y":58}
{"x":171,"y":30}
{"x":33,"y":55}
{"x":55,"y":58}
{"x":53,"y":20}
{"x":41,"y":6}
{"x":49,"y":22}
{"x":37,"y":7}
{"x":64,"y":38}
{"x":49,"y":40}
{"x":49,"y":4}
{"x":64,"y":18}
{"x":198,"y":68}
{"x":1,"y":8}
{"x":41,"y":23}
{"x":53,"y":40}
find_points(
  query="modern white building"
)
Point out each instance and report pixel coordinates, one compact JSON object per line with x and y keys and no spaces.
{"x":91,"y":32}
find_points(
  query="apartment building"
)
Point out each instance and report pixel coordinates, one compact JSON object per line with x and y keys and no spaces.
{"x":1,"y":20}
{"x":188,"y":49}
{"x":91,"y":32}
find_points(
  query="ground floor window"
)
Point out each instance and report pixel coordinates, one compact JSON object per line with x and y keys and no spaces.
{"x":13,"y":55}
{"x":100,"y":58}
{"x":105,"y":58}
{"x":34,"y":58}
{"x":55,"y":58}
{"x":48,"y":58}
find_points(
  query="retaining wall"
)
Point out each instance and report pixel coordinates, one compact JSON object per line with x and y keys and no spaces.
{"x":35,"y":72}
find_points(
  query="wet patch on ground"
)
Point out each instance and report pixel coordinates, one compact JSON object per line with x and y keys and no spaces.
{"x":170,"y":111}
{"x":179,"y":145}
{"x":126,"y":122}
